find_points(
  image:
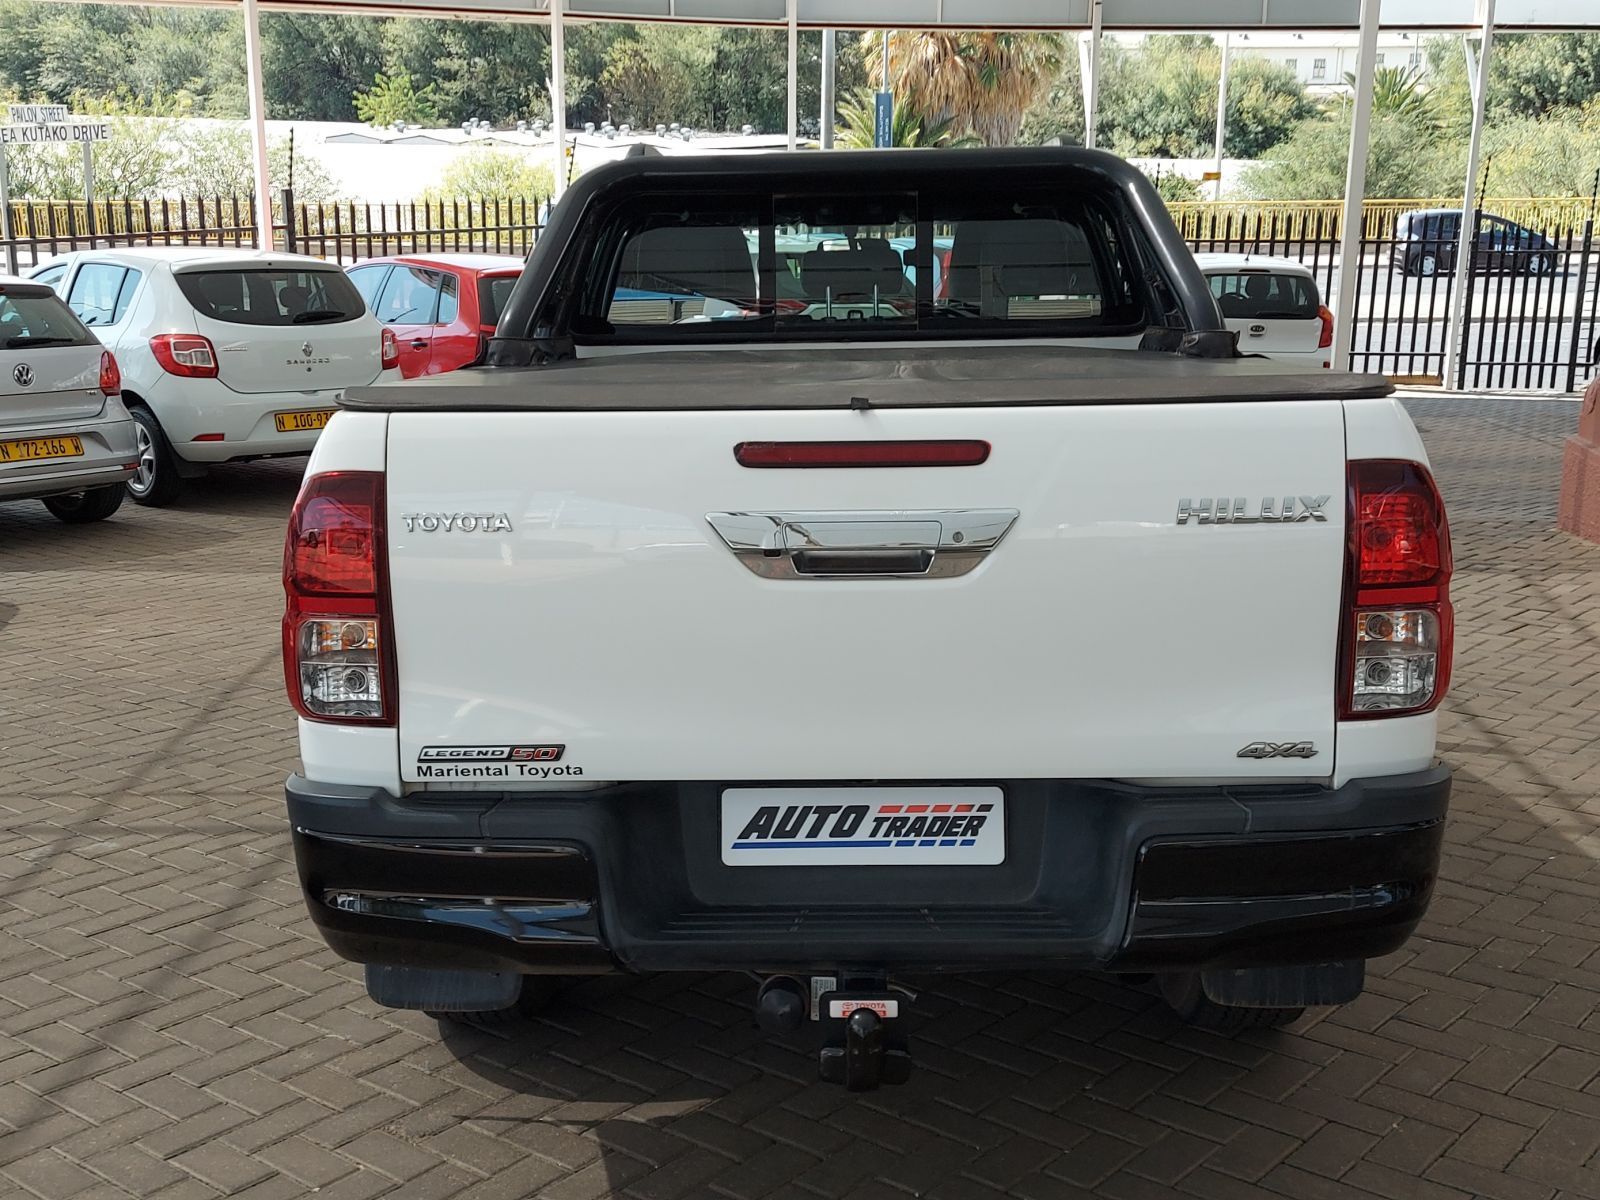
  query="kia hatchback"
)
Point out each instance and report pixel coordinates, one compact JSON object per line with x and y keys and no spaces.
{"x":1273,"y":305}
{"x":226,"y":355}
{"x":65,"y":437}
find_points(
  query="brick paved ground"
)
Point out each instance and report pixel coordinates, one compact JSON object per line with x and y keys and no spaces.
{"x":170,"y":1026}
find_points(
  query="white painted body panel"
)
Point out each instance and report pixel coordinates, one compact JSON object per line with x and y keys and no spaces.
{"x":1099,"y":639}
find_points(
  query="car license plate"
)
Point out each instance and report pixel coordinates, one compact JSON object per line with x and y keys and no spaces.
{"x":29,"y":449}
{"x":296,"y":422}
{"x":864,"y":827}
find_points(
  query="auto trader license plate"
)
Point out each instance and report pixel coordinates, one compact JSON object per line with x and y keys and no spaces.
{"x":295,"y":422}
{"x":864,"y":827}
{"x":28,"y":449}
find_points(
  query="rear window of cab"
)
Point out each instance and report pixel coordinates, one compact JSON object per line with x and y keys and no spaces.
{"x":691,"y":267}
{"x":272,"y":296}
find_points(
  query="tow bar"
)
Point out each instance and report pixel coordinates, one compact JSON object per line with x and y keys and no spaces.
{"x":864,"y":1041}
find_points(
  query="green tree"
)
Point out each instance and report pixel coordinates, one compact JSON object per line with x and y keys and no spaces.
{"x":1059,"y":112}
{"x":314,"y":65}
{"x":1159,"y":100}
{"x":480,"y":69}
{"x":858,"y":122}
{"x":219,"y":161}
{"x":486,"y":173}
{"x":1310,"y":164}
{"x":394,"y":98}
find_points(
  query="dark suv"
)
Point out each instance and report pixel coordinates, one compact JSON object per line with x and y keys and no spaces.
{"x":1426,"y":241}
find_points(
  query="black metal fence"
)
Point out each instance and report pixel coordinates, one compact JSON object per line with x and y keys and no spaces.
{"x":1532,"y":305}
{"x":342,"y":232}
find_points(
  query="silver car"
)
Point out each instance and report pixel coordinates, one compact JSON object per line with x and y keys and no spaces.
{"x":65,"y":437}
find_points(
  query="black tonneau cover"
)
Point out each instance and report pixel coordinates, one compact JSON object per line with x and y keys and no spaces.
{"x":817,"y":377}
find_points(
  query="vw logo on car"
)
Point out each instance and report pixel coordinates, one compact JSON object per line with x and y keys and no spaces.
{"x":23,"y":374}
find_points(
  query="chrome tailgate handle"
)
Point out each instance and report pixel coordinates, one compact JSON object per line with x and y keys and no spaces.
{"x":911,"y":544}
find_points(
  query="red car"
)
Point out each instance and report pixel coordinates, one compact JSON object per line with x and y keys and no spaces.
{"x":442,"y":307}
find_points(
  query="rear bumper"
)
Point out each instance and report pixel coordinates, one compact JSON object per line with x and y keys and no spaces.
{"x":109,"y":456}
{"x":1097,"y":876}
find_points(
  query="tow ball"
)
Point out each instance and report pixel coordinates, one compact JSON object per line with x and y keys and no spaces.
{"x":861,"y":1020}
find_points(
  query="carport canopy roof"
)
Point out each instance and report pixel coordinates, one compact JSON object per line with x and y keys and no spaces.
{"x":1115,"y":15}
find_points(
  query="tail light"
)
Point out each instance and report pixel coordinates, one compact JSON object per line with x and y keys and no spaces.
{"x":1326,"y":339}
{"x":110,"y":374}
{"x":186,"y":354}
{"x":338,"y":659}
{"x":389,"y":349}
{"x":1399,"y":629}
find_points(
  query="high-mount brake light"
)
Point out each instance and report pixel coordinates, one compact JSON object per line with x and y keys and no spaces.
{"x":1399,"y":628}
{"x":185,"y":354}
{"x":338,"y":658}
{"x":953,"y":453}
{"x":110,"y":374}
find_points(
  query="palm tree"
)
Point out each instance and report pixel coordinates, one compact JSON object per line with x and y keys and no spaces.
{"x":981,"y":83}
{"x":1399,"y":92}
{"x":858,"y":126}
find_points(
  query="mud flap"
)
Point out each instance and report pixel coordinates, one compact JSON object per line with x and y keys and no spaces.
{"x":443,"y":991}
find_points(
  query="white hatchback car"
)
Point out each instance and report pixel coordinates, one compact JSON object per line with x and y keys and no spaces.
{"x":65,"y":437}
{"x":1273,"y":305}
{"x":226,"y":355}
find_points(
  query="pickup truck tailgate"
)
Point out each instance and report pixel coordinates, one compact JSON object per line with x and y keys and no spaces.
{"x":1099,"y":638}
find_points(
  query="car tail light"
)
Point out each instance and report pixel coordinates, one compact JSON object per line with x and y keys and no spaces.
{"x":338,"y":658}
{"x":110,"y":374}
{"x":1326,"y":339}
{"x":186,"y":354}
{"x":389,"y":349}
{"x":1399,"y":628}
{"x":862,"y":454}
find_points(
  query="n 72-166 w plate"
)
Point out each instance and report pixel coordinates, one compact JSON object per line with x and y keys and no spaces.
{"x":871,"y":826}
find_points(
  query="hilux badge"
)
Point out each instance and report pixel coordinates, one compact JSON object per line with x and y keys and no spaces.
{"x":1236,"y":510}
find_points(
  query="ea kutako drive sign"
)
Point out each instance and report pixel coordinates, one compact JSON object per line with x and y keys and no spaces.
{"x":48,"y":125}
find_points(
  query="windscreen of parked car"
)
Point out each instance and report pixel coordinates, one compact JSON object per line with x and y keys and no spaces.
{"x":696,"y":268}
{"x":1265,"y":296}
{"x":36,"y":317}
{"x":272,"y":296}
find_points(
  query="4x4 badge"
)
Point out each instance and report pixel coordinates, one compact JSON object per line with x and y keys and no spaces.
{"x":1279,"y":750}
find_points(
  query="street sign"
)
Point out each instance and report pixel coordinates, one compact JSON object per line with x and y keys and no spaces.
{"x":49,"y":125}
{"x":883,"y":119}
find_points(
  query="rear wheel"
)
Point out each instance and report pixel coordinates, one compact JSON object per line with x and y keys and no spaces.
{"x":1185,"y":996}
{"x":157,"y":480}
{"x":535,"y":994}
{"x":1427,"y":264}
{"x":79,"y":508}
{"x":1540,"y":264}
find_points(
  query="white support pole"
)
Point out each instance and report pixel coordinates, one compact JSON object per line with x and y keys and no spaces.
{"x":88,"y":190}
{"x":830,"y":54}
{"x":5,"y":215}
{"x":1355,"y":187}
{"x":794,"y":74}
{"x":1089,"y":68}
{"x":1466,"y":245}
{"x":258,"y":124}
{"x":1222,"y":111}
{"x":558,"y":92}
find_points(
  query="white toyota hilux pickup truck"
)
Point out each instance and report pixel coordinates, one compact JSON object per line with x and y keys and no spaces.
{"x":843,"y":629}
